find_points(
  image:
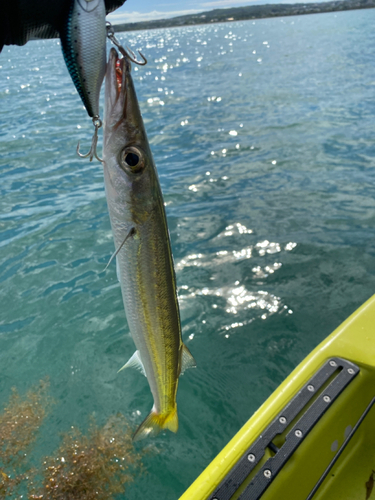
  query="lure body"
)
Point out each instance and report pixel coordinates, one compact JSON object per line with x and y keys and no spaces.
{"x":83,"y":41}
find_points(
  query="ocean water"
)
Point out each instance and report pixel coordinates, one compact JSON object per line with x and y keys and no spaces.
{"x":263,"y":135}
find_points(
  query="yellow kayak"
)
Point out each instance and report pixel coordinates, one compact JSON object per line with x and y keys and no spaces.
{"x":314,"y":437}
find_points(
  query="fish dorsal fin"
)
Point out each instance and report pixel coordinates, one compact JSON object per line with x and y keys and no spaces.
{"x":187,"y":360}
{"x":135,"y":362}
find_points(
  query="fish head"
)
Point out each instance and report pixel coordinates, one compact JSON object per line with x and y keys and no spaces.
{"x":128,"y":161}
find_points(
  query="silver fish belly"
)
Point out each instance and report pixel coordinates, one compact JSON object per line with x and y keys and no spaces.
{"x":143,"y":252}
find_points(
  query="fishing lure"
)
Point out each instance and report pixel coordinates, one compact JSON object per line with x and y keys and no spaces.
{"x":83,"y":41}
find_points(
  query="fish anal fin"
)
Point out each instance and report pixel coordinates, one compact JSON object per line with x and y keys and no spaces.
{"x":135,"y":362}
{"x":171,"y":422}
{"x":155,"y":422}
{"x":187,"y":360}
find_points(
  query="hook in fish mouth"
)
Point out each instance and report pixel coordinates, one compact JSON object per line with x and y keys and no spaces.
{"x":117,"y":65}
{"x":130,"y":57}
{"x":121,"y":102}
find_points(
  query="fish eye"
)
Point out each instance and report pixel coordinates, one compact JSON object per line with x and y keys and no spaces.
{"x":132,"y":159}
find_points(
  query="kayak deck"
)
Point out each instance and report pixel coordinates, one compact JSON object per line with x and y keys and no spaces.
{"x":336,"y":457}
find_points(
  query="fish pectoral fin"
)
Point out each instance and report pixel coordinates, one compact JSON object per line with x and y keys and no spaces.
{"x":187,"y":360}
{"x":155,"y":422}
{"x":130,"y":233}
{"x":135,"y":362}
{"x":118,"y":272}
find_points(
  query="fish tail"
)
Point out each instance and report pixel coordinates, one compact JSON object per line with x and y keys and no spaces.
{"x":155,"y":422}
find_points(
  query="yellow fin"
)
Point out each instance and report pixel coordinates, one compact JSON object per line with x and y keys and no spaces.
{"x":155,"y":422}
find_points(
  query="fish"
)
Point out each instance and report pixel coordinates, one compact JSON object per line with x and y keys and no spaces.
{"x":83,"y":43}
{"x":143,"y":250}
{"x":370,"y":485}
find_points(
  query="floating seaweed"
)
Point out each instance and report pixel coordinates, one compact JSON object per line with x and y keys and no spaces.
{"x":96,"y":465}
{"x":19,"y":425}
{"x":93,"y":466}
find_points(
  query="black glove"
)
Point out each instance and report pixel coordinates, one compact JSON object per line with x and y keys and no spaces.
{"x":21,"y":20}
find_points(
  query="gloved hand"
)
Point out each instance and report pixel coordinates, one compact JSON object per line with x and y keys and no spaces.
{"x":21,"y":20}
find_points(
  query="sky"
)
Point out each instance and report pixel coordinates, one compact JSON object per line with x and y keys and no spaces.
{"x":146,"y":10}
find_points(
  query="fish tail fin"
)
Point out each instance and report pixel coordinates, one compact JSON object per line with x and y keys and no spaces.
{"x":155,"y":422}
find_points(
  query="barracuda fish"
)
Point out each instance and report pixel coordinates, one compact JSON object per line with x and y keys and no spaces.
{"x":143,"y":251}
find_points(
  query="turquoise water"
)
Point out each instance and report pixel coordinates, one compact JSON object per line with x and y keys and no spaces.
{"x":263,"y":135}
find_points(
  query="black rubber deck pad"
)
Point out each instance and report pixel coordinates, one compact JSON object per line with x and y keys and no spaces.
{"x":342,"y":373}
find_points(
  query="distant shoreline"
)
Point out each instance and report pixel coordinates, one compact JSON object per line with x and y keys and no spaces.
{"x":248,"y":13}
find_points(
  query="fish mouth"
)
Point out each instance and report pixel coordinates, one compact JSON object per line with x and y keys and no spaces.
{"x":114,"y":78}
{"x":121,"y":104}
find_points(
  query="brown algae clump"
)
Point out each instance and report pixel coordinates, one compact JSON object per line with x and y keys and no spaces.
{"x":19,"y":423}
{"x":93,"y":466}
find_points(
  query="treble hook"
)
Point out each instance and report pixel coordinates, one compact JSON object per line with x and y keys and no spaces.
{"x":97,"y":124}
{"x":132,"y":57}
